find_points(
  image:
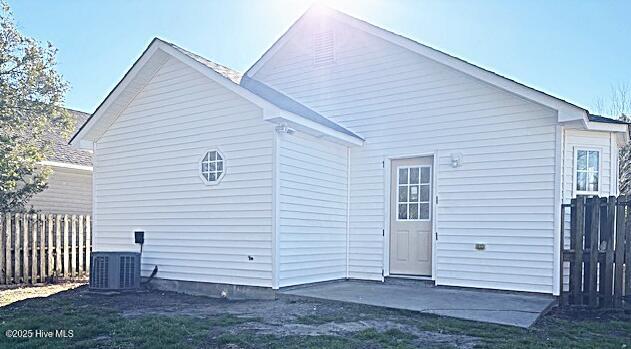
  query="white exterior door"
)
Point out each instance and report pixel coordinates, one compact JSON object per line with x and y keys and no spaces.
{"x":411,"y":216}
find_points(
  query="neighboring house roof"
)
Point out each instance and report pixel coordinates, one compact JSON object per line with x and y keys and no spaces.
{"x":62,"y":151}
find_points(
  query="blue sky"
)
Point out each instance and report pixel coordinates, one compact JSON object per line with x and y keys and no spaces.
{"x":575,"y":50}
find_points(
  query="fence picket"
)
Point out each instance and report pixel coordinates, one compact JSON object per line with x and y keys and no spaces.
{"x":2,"y":249}
{"x":26,"y":270}
{"x":33,"y":222}
{"x":49,"y":248}
{"x":66,"y":252}
{"x":88,"y":243}
{"x":42,"y":248}
{"x":607,"y":271}
{"x":576,"y":269}
{"x":80,"y":266}
{"x":7,"y":249}
{"x":17,"y":250}
{"x":73,"y":244}
{"x":627,"y":276}
{"x":58,"y":266}
{"x":591,"y":282}
{"x":619,"y":253}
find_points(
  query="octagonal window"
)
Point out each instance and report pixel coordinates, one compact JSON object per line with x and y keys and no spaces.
{"x":212,"y":167}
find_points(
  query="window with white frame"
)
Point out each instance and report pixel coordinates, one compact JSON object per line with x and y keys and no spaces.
{"x":587,"y":171}
{"x":413,"y":193}
{"x":212,"y":167}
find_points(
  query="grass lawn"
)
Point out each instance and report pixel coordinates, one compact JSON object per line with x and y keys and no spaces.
{"x":167,"y":320}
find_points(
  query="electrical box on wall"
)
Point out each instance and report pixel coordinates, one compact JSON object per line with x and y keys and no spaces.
{"x":139,"y":237}
{"x":480,"y":247}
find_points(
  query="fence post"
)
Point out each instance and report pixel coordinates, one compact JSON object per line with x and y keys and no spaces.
{"x":619,"y":251}
{"x":592,"y":284}
{"x":7,"y":249}
{"x":576,"y":267}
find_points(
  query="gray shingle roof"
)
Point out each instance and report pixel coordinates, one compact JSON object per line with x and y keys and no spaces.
{"x":599,"y":118}
{"x":286,"y":103}
{"x":62,"y":151}
{"x":266,"y":92}
{"x":226,"y":72}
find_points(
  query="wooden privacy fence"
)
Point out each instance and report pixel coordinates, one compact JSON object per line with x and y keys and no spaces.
{"x":599,"y":250}
{"x":37,"y":248}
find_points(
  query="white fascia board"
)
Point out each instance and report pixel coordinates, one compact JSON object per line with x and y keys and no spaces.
{"x":78,"y":140}
{"x":620,"y":129}
{"x":66,"y":165}
{"x":288,"y":117}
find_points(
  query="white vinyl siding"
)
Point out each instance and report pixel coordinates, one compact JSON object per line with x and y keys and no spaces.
{"x":313,"y":196}
{"x":147,"y":177}
{"x":69,"y":191}
{"x":404,"y":104}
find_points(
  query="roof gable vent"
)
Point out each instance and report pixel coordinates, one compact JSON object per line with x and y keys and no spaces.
{"x":323,"y":48}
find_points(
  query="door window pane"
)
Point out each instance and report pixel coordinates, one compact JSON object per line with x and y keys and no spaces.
{"x":424,"y":211}
{"x":413,"y":193}
{"x":403,"y":211}
{"x":413,"y":211}
{"x":403,"y":176}
{"x":403,"y":193}
{"x":414,"y":175}
{"x":424,"y":174}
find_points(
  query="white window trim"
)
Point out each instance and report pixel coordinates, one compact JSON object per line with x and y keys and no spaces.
{"x":199,"y":168}
{"x":396,"y":211}
{"x":576,"y":192}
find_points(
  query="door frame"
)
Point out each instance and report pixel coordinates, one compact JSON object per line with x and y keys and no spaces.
{"x":387,"y":182}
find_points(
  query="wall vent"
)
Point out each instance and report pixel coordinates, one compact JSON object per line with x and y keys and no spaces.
{"x":323,"y":48}
{"x":115,"y":271}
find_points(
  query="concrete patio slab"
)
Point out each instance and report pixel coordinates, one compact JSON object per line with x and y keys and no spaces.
{"x":512,"y":309}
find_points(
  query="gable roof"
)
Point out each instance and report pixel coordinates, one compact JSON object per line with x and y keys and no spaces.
{"x":266,"y":92}
{"x":566,"y":110}
{"x":62,"y":152}
{"x":275,"y":104}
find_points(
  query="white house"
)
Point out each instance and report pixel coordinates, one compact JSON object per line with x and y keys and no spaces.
{"x":69,"y":189}
{"x":346,"y":151}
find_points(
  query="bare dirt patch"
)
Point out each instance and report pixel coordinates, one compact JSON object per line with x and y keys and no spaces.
{"x":15,"y":294}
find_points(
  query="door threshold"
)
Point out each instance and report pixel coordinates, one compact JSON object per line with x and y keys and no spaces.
{"x":411,"y":277}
